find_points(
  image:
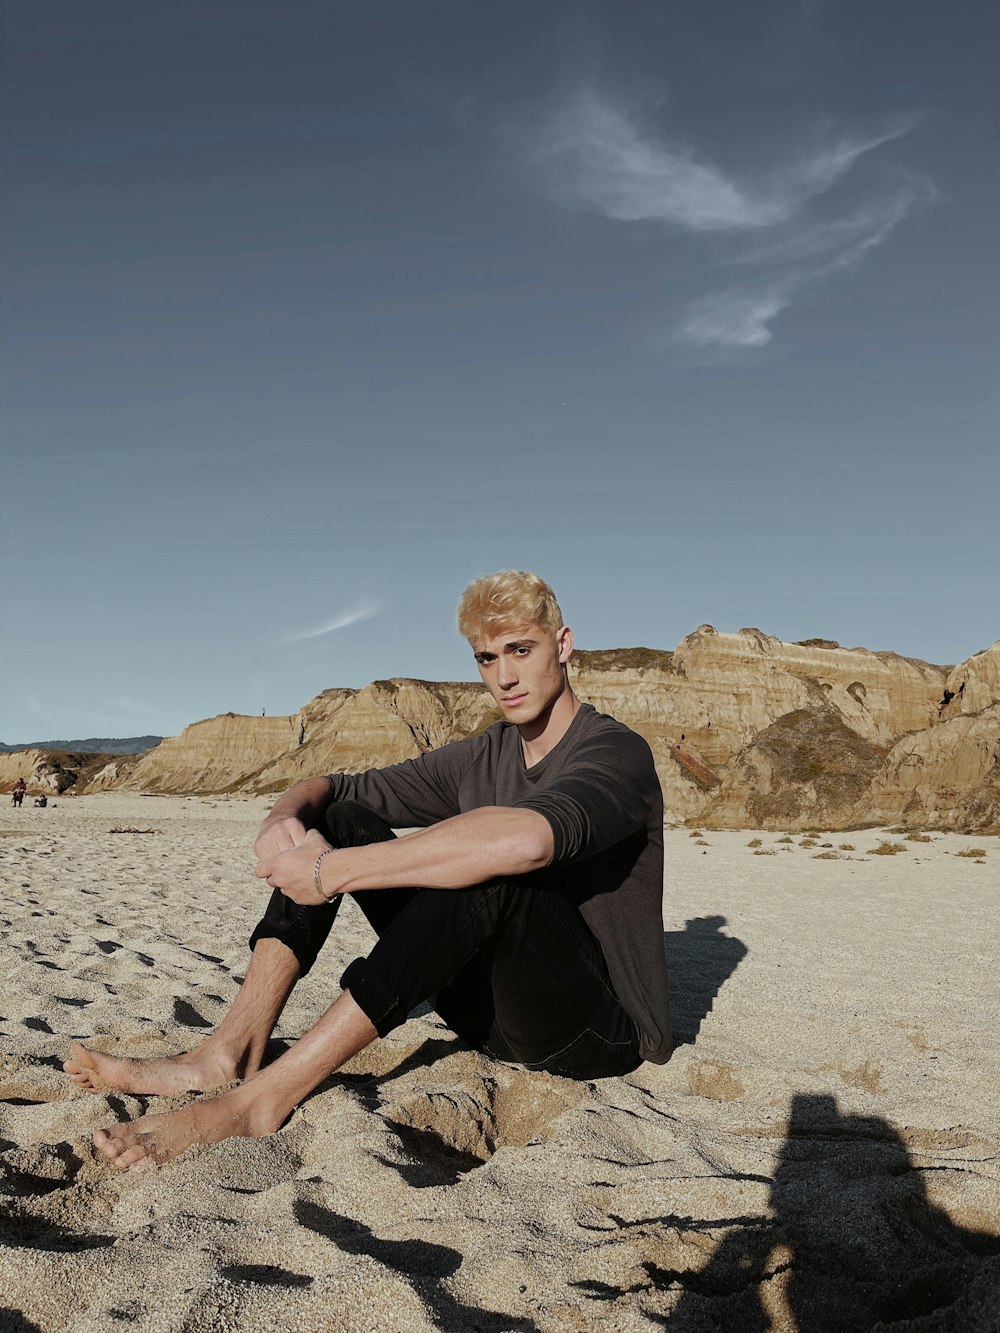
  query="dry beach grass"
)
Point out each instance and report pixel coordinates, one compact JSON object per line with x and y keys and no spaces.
{"x":821,"y":1152}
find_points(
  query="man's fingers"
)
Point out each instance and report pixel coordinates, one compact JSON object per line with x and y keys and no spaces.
{"x":263,"y":869}
{"x":280,"y":836}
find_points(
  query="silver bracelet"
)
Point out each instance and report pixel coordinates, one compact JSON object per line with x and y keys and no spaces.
{"x":316,"y":879}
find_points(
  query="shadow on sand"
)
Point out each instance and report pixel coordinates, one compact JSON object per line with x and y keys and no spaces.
{"x":700,"y":960}
{"x":853,"y":1238}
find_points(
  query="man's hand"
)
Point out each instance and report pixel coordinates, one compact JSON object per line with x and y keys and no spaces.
{"x":291,"y":869}
{"x":278,"y":835}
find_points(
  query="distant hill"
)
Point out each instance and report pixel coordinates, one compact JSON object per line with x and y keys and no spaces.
{"x":95,"y":745}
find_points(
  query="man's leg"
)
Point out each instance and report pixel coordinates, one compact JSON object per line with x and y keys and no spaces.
{"x":284,"y":947}
{"x":512,"y":968}
{"x":440,"y":945}
{"x":257,"y":1107}
{"x":234,"y":1050}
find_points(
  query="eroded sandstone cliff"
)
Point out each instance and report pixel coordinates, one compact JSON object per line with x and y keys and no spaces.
{"x":745,"y":730}
{"x":216,"y":755}
{"x":49,"y":772}
{"x":947,"y":777}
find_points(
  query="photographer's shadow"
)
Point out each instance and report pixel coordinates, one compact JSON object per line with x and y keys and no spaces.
{"x":700,"y":960}
{"x":852,"y":1236}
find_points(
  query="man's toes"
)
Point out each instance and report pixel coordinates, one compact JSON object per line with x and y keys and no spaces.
{"x":109,"y":1143}
{"x":83,"y":1078}
{"x":124,"y":1150}
{"x":135,"y":1156}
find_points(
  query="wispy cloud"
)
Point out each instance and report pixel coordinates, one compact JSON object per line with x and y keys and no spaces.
{"x":364,"y":610}
{"x":735,"y":318}
{"x":595,"y":156}
{"x":741,"y":316}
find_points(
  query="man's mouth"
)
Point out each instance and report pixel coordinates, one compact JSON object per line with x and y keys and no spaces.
{"x":510,"y":700}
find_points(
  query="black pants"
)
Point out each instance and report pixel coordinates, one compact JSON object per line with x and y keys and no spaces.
{"x":512,"y":968}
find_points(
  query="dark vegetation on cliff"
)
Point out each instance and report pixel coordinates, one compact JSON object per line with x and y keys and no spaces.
{"x":102,"y":745}
{"x":622,"y":659}
{"x":814,"y":749}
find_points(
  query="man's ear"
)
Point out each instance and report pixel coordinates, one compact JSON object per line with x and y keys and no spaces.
{"x":564,"y":641}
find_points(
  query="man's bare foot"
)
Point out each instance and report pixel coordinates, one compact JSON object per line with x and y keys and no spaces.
{"x":154,"y":1139}
{"x":195,"y":1071}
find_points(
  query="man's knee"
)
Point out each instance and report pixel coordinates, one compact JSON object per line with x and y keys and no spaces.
{"x":352,"y":824}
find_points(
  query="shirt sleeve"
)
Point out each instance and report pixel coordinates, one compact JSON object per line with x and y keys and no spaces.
{"x":602,"y":800}
{"x":415,"y":793}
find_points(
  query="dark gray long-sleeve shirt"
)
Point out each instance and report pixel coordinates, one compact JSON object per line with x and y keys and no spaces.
{"x":599,"y":791}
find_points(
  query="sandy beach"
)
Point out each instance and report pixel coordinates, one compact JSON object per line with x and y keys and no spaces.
{"x":821,"y":1152}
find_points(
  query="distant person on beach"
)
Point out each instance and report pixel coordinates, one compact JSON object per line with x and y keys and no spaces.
{"x":17,"y":795}
{"x":41,"y":801}
{"x":526,"y":909}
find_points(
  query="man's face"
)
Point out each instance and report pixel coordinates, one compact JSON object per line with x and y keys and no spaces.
{"x":523,"y":669}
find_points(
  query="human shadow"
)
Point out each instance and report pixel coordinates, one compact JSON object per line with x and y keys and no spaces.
{"x":854,"y":1237}
{"x":700,"y":960}
{"x":13,"y":1321}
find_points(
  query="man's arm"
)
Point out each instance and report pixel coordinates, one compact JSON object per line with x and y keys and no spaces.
{"x":489,"y":843}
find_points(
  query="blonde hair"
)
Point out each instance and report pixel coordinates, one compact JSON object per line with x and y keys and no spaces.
{"x":506,"y":600}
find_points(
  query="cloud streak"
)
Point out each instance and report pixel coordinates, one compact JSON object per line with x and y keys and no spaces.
{"x":596,"y":157}
{"x":364,"y":610}
{"x":741,"y":316}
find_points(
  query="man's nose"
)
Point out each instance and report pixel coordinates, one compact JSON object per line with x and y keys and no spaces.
{"x":507,"y":675}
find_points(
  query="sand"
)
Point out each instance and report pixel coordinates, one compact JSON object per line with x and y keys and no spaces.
{"x":820,"y":1153}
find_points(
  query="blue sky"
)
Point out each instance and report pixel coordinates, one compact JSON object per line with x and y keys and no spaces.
{"x":317,"y":311}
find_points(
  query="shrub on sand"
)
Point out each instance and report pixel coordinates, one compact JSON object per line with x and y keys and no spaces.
{"x":975,"y":852}
{"x":847,"y":846}
{"x":765,"y":851}
{"x":826,"y":856}
{"x":755,"y":842}
{"x":887,"y":849}
{"x":785,"y":838}
{"x":917,"y":837}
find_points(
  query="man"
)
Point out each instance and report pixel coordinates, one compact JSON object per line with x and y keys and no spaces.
{"x":526,"y":907}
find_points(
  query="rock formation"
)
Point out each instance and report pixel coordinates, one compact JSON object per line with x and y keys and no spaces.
{"x":807,"y":769}
{"x":746,"y":731}
{"x":703,"y":705}
{"x":49,"y":772}
{"x":947,"y":777}
{"x":973,"y":685}
{"x":347,"y":730}
{"x":216,"y":755}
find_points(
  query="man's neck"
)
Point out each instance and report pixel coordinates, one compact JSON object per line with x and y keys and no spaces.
{"x":545,"y":733}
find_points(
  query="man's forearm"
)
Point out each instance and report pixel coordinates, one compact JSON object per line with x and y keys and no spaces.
{"x":305,"y":801}
{"x":482,"y":844}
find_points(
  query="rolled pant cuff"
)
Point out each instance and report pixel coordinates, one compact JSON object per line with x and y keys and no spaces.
{"x":291,"y":930}
{"x":384,"y":1009}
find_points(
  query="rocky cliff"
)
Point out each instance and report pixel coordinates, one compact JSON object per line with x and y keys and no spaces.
{"x":973,"y":685}
{"x":947,"y":777}
{"x":49,"y":772}
{"x":347,"y":730}
{"x":219,"y":754}
{"x":746,"y":731}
